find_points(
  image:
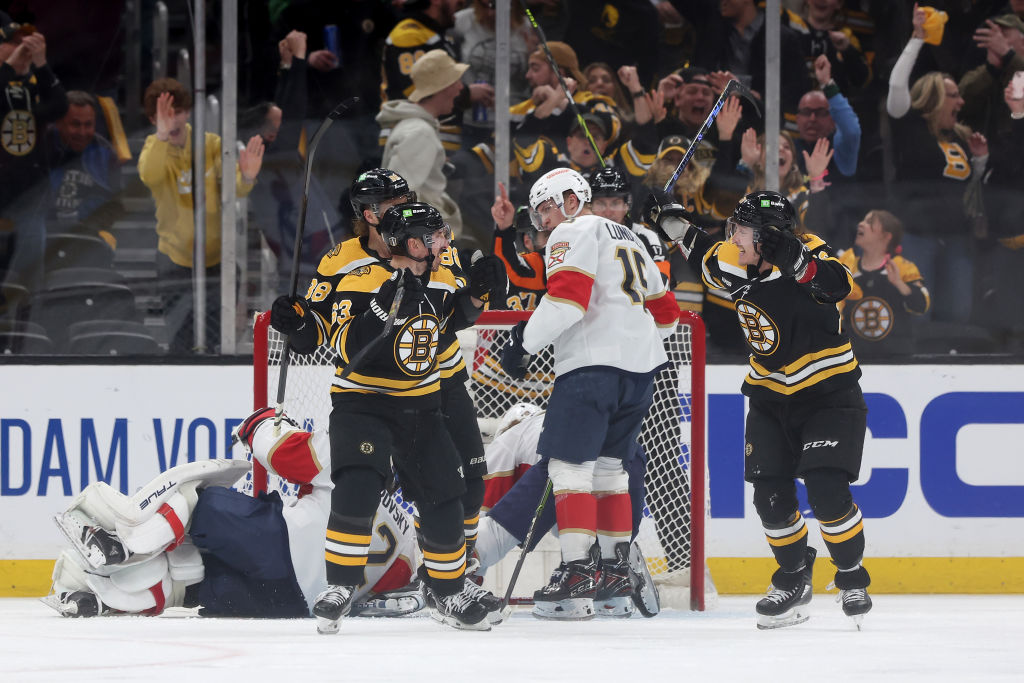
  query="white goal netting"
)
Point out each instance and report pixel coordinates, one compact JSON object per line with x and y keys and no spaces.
{"x":676,"y":512}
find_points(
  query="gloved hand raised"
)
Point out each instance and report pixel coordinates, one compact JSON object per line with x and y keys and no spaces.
{"x":660,"y":208}
{"x":413,"y":295}
{"x":488,"y":280}
{"x":785,"y":251}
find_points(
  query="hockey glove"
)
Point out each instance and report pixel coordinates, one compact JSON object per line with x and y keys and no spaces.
{"x":514,"y":358}
{"x":488,"y":280}
{"x":412,"y":296}
{"x":668,"y":217}
{"x":288,"y":315}
{"x":785,"y":251}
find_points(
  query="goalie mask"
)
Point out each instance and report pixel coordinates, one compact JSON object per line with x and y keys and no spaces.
{"x":759,"y":210}
{"x":415,"y":220}
{"x":553,"y":186}
{"x":376,"y":186}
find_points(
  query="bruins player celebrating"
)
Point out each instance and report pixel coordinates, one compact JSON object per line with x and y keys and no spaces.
{"x":387,"y":410}
{"x":807,"y":415}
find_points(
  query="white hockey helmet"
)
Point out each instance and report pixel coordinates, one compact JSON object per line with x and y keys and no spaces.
{"x":515,"y":415}
{"x":553,"y":185}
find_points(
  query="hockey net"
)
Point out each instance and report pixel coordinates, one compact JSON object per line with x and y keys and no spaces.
{"x":676,"y":512}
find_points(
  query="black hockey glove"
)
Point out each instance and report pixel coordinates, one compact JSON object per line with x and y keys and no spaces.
{"x":659,"y":208}
{"x":785,"y":251}
{"x":488,"y":280}
{"x":288,"y":315}
{"x":413,"y":295}
{"x":514,"y":358}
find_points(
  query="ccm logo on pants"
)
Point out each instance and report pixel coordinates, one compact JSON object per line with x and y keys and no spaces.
{"x":820,"y":444}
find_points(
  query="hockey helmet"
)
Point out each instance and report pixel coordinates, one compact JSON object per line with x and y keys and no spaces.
{"x":414,"y":220}
{"x":376,"y":186}
{"x":523,"y":225}
{"x":610,"y":182}
{"x":760,"y":210}
{"x":515,"y":415}
{"x":553,"y":185}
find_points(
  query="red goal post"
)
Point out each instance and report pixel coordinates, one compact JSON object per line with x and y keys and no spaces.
{"x":672,"y":535}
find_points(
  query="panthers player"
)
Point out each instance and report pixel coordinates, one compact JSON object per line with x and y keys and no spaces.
{"x":807,"y":416}
{"x":606,"y":310}
{"x":141,"y":554}
{"x":387,"y":410}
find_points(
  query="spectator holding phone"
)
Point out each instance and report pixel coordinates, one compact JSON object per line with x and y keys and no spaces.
{"x":1002,"y":38}
{"x":887,"y":288}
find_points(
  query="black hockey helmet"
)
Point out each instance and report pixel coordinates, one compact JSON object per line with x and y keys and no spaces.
{"x":375,"y":186}
{"x":414,"y":220}
{"x":761,"y":209}
{"x":610,"y":182}
{"x":523,"y":226}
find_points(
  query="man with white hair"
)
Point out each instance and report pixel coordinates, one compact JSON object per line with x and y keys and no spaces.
{"x":606,"y":310}
{"x":414,"y":149}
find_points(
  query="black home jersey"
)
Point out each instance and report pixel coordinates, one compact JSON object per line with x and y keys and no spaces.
{"x":876,"y":313}
{"x":405,"y":365}
{"x":793,"y":330}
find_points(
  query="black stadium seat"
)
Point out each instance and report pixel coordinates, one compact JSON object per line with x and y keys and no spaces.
{"x":111,"y":338}
{"x":69,"y":250}
{"x":18,"y":337}
{"x":75,"y":297}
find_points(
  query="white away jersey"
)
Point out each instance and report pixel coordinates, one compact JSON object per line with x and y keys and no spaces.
{"x":606,"y":303}
{"x":300,"y":457}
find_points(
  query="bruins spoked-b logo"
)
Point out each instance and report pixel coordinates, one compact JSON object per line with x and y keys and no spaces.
{"x":760,"y":331}
{"x":416,"y":345}
{"x":871,"y":318}
{"x":18,"y":132}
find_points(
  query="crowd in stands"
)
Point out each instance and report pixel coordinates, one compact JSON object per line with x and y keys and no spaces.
{"x":902,"y":146}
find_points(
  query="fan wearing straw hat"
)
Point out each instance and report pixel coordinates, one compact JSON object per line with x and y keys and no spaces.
{"x":414,"y":149}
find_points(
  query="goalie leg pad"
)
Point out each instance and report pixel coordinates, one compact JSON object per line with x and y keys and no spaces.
{"x":493,"y":542}
{"x":185,"y":564}
{"x":137,"y":589}
{"x":166,"y":529}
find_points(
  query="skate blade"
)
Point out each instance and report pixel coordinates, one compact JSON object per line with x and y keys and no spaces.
{"x":53,"y":602}
{"x":858,"y":620}
{"x":72,"y":531}
{"x":327,"y":627}
{"x":496,"y":617}
{"x":482,"y":625}
{"x":389,"y":607}
{"x":617,"y":608}
{"x":791,"y":618}
{"x":571,"y":609}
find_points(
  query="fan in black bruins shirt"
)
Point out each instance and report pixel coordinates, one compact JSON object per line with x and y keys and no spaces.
{"x":807,"y":416}
{"x":388,"y":408}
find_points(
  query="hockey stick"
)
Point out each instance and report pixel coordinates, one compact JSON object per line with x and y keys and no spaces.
{"x":561,"y":81}
{"x":731,"y":88}
{"x":376,"y":341}
{"x":506,"y":608}
{"x":300,"y":228}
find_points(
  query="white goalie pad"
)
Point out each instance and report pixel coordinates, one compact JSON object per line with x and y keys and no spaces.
{"x":164,"y":529}
{"x":185,"y":564}
{"x":135,"y":588}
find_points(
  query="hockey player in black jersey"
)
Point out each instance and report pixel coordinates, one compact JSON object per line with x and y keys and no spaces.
{"x":807,"y":416}
{"x":387,"y":408}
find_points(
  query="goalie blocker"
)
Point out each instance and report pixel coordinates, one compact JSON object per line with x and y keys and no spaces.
{"x":260,"y":558}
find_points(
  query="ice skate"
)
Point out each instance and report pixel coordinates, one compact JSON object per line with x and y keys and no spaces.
{"x":76,"y":604}
{"x":571,"y":591}
{"x":786,"y":602}
{"x":853,"y":594}
{"x":98,"y":546}
{"x":463,"y":610}
{"x":615,"y":594}
{"x":330,"y":606}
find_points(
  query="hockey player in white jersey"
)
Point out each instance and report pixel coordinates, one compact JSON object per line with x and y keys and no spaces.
{"x":606,"y":310}
{"x":612,"y":198}
{"x":185,"y":539}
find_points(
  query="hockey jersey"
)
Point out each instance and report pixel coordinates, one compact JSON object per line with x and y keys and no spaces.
{"x":876,"y":313}
{"x":793,"y":330}
{"x":606,"y":302}
{"x":347,"y":279}
{"x":509,"y":456}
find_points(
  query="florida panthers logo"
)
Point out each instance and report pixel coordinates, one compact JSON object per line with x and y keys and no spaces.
{"x":872,"y":318}
{"x":416,"y":345}
{"x":761,"y":332}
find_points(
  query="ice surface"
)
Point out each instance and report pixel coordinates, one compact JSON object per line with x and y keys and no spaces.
{"x":905,"y":638}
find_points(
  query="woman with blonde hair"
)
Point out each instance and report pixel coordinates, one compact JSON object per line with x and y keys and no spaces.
{"x":938,"y":164}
